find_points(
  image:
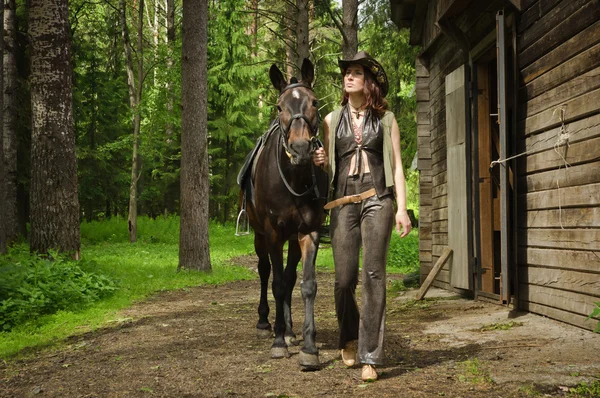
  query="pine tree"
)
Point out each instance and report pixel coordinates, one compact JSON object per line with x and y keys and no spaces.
{"x":236,"y":86}
{"x":193,"y":241}
{"x":54,"y":202}
{"x":9,"y":113}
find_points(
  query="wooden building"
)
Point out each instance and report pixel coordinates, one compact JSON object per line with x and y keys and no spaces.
{"x":508,"y":97}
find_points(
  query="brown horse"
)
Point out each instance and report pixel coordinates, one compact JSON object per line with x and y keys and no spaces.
{"x":287,"y":206}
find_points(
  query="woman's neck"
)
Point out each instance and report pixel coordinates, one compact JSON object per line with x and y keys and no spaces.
{"x":356,"y":102}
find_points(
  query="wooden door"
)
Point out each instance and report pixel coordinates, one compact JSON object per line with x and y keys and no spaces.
{"x":458,"y":230}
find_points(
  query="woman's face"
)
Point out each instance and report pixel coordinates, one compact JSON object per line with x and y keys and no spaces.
{"x":354,"y":79}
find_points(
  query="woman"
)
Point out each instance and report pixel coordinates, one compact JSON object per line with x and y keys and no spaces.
{"x":362,"y":152}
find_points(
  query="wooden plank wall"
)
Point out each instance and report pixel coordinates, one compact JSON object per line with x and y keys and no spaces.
{"x":444,"y":57}
{"x":424,"y":166}
{"x":559,"y":205}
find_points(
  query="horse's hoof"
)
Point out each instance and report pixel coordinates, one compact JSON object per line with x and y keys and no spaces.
{"x":263,"y":333}
{"x":279,"y":352}
{"x":308,"y":362}
{"x":291,"y":341}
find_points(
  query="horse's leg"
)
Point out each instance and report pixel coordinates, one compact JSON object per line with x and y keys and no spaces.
{"x":294,"y":255}
{"x":309,"y":354}
{"x":275,"y":245}
{"x":263,"y":327}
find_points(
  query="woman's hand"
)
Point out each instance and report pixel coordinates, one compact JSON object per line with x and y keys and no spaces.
{"x":402,"y":220}
{"x":320,"y":157}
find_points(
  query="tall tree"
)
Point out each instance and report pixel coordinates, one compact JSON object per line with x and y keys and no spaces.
{"x":349,"y":28}
{"x":54,"y":203}
{"x":135,"y":97}
{"x":347,"y":23}
{"x":193,"y":241}
{"x":2,"y":183}
{"x":302,"y":26}
{"x":290,"y":36}
{"x":9,"y":114}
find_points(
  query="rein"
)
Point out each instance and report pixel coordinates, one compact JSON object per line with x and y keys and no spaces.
{"x":314,"y":187}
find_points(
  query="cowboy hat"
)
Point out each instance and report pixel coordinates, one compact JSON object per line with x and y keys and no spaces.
{"x":363,"y":58}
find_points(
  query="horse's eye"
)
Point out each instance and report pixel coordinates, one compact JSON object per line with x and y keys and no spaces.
{"x":316,"y":103}
{"x":278,"y":108}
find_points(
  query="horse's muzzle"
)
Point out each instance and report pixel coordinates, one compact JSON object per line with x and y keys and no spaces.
{"x":300,"y":152}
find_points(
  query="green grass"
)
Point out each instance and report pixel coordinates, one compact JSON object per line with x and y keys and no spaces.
{"x":474,"y":373}
{"x":139,"y":270}
{"x":500,"y":326}
{"x":583,"y":389}
{"x":149,"y":266}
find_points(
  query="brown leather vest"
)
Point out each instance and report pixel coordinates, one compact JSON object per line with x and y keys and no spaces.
{"x":372,"y":145}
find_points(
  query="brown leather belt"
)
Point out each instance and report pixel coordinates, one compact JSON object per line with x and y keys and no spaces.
{"x":350,"y":199}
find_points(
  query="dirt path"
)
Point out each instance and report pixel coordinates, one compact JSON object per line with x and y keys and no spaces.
{"x":201,"y":343}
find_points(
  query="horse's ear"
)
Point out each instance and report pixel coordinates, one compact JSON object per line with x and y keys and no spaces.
{"x":308,"y":72}
{"x":277,"y":78}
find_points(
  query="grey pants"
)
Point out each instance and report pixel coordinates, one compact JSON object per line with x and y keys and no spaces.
{"x":369,"y":224}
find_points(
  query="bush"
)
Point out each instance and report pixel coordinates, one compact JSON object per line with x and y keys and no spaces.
{"x":114,"y":230}
{"x":31,"y":286}
{"x":595,"y":315}
{"x":403,"y":255}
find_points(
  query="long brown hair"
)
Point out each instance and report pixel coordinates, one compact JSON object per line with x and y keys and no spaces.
{"x":373,"y":98}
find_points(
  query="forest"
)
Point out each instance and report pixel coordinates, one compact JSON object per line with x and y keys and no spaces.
{"x":94,"y":135}
{"x":125,"y":59}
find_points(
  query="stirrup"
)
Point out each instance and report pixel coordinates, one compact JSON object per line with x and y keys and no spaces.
{"x":242,"y":226}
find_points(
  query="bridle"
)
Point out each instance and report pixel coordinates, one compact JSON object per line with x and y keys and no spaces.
{"x":286,"y":129}
{"x":283,"y":136}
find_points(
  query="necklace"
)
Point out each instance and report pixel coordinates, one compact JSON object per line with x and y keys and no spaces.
{"x":357,"y":111}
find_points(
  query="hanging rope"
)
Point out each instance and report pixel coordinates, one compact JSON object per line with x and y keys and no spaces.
{"x":562,"y":139}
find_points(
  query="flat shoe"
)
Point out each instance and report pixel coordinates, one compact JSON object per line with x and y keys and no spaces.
{"x":349,"y":354}
{"x":369,"y":373}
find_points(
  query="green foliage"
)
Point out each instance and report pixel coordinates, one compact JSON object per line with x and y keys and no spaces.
{"x":101,"y":110}
{"x":412,"y":191}
{"x":530,"y":391}
{"x":583,"y":389}
{"x":474,"y":372}
{"x":31,"y":286}
{"x":596,"y":314}
{"x":139,"y":270}
{"x":150,"y":230}
{"x":238,"y":114}
{"x":500,"y":326}
{"x":403,"y":254}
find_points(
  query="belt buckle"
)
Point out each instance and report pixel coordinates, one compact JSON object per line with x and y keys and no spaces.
{"x":355,"y":198}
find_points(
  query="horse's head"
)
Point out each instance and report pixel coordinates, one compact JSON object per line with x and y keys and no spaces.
{"x":298,"y":113}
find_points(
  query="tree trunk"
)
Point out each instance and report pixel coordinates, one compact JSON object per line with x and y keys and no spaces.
{"x":254,"y":29}
{"x":350,"y":28}
{"x":135,"y":94}
{"x":54,"y":202}
{"x":2,"y":167}
{"x":193,"y":241}
{"x":10,"y":142}
{"x":290,"y":48}
{"x":302,"y":39}
{"x":170,"y":43}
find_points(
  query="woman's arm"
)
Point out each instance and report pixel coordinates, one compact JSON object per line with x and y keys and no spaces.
{"x":402,"y":219}
{"x":320,"y":155}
